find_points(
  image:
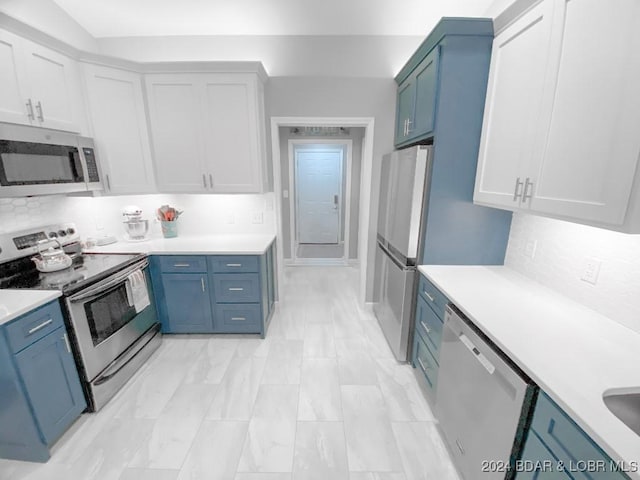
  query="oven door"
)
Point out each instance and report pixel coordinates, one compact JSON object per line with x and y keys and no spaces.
{"x":105,"y":321}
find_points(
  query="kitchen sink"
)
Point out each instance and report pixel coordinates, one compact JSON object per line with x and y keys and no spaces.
{"x":625,"y":406}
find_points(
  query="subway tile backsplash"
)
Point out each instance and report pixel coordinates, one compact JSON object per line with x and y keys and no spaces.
{"x":561,"y":253}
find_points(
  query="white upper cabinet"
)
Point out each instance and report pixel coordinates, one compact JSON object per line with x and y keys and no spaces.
{"x":560,"y":135}
{"x":40,"y":87}
{"x":208,"y":132}
{"x":117,"y":114}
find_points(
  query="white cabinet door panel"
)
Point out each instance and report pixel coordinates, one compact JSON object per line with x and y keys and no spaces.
{"x":120,"y":131}
{"x":592,"y":148}
{"x":13,"y":94}
{"x":54,"y":88}
{"x":231,"y":135}
{"x":510,"y":125}
{"x":176,"y":127}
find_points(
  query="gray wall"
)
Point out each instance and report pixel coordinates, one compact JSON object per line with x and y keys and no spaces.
{"x":356,"y":136}
{"x":341,"y":97}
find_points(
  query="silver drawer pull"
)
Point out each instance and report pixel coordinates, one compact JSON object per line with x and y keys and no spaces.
{"x":41,"y":326}
{"x":66,"y":342}
{"x":424,"y":325}
{"x":429,"y":296}
{"x":238,"y":318}
{"x":422,"y":364}
{"x":234,"y":264}
{"x":181,"y":264}
{"x":202,"y":283}
{"x":236,"y":289}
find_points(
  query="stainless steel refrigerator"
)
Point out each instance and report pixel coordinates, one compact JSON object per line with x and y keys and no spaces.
{"x":403,"y":184}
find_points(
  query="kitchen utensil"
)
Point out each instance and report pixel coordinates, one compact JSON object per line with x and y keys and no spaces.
{"x":51,"y":259}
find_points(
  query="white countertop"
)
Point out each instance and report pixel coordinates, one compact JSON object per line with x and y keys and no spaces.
{"x":573,"y":353}
{"x":14,"y":303}
{"x":245,"y":244}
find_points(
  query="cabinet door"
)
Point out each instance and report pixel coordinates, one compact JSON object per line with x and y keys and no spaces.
{"x":592,"y":148}
{"x":538,"y":463}
{"x":231,"y":132}
{"x":116,"y":106}
{"x":51,"y":380}
{"x":512,"y":108}
{"x":406,"y":100}
{"x":426,"y":81}
{"x":176,"y":131}
{"x":54,"y":88}
{"x":13,"y":91}
{"x":188,"y":302}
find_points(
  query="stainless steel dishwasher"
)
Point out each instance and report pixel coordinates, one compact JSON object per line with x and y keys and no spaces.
{"x":483,"y":401}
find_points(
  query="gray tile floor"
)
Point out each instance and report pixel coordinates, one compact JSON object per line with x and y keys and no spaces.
{"x":321,"y":398}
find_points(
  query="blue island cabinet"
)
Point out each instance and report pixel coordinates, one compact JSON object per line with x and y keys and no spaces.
{"x":214,"y":293}
{"x":40,"y":390}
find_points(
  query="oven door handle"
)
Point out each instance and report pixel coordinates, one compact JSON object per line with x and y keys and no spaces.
{"x":103,"y":287}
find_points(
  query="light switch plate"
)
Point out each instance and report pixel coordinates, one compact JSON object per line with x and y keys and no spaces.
{"x":231,"y":218}
{"x":530,"y":249}
{"x":257,"y":217}
{"x":591,"y":270}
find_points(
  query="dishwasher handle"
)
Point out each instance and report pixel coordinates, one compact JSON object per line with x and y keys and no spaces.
{"x":484,"y":361}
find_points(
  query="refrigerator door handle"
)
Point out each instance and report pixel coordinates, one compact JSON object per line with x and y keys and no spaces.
{"x":392,"y":257}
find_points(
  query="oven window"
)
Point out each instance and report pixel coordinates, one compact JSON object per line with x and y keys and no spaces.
{"x":109,"y":313}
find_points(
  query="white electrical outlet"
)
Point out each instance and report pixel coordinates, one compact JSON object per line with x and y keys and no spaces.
{"x":231,"y":218}
{"x":591,"y":270}
{"x":530,"y":249}
{"x":257,"y":217}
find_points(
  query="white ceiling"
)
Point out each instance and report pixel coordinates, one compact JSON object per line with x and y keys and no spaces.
{"x":118,"y":18}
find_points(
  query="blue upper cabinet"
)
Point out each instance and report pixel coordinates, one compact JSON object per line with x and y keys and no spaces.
{"x":425,"y":74}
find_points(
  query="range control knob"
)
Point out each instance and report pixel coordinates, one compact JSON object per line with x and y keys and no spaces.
{"x":71,"y":231}
{"x":62,"y":233}
{"x":53,"y":235}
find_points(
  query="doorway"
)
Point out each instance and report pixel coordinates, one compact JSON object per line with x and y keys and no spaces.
{"x":319,"y":181}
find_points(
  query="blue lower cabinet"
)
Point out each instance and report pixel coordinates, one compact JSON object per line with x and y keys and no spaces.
{"x":538,"y":463}
{"x":568,"y":446}
{"x":423,"y":360}
{"x":429,"y":325}
{"x":216,"y":294}
{"x":40,"y":390}
{"x":188,"y":304}
{"x":51,"y":379}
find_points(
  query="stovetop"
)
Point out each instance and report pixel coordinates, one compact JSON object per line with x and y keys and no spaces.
{"x":85,"y":270}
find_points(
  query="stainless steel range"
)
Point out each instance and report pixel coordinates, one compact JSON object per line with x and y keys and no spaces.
{"x":108,"y":305}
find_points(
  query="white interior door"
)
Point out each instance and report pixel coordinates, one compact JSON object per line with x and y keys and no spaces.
{"x":318,"y":195}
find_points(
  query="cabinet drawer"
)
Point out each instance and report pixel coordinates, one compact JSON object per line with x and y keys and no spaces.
{"x":237,"y":318}
{"x":234,"y":264}
{"x":33,"y":326}
{"x":538,"y":463}
{"x":436,"y":300}
{"x":424,"y":361}
{"x":568,"y":441}
{"x":183,"y":264}
{"x":429,"y":326}
{"x":236,"y":287}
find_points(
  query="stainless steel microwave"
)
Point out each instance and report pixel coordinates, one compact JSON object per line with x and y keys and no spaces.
{"x":38,"y":161}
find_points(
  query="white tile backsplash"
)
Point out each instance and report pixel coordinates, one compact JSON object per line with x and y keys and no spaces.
{"x":561,"y":254}
{"x":203,"y":214}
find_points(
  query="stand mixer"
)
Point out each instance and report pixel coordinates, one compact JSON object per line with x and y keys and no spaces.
{"x":136,"y":227}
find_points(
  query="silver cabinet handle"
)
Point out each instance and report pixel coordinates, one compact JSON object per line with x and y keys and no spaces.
{"x":179,"y":265}
{"x":409,"y":122}
{"x":39,"y":110}
{"x":30,"y":114}
{"x":108,"y":183}
{"x":516,"y":191}
{"x":429,"y":296}
{"x":527,"y":194}
{"x":211,"y":180}
{"x":406,"y":127}
{"x":202,"y":283}
{"x":66,"y":342}
{"x":422,"y":364}
{"x":40,"y":327}
{"x":424,"y":325}
{"x":204,"y":180}
{"x":238,"y":319}
{"x":236,"y":289}
{"x":234,"y":264}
